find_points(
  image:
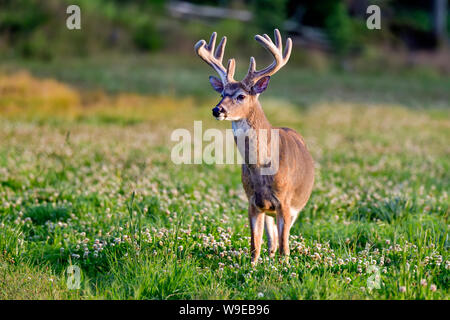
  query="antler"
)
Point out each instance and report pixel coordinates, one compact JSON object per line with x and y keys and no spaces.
{"x":276,"y":49}
{"x":215,"y":60}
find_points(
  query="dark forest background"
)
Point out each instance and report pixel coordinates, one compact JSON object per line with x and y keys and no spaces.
{"x":327,"y":33}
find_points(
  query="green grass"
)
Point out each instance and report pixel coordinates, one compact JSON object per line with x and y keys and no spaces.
{"x":100,"y":191}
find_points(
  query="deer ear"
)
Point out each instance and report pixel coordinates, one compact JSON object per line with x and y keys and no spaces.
{"x":261,"y":84}
{"x":216,"y":84}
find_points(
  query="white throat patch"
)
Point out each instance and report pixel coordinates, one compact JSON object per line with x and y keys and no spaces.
{"x":240,"y":127}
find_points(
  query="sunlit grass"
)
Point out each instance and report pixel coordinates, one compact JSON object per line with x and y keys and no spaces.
{"x":67,"y":180}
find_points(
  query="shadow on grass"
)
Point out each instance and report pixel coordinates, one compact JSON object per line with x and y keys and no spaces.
{"x":42,"y":213}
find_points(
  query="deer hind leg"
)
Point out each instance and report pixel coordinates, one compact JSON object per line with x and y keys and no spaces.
{"x":256,"y":218}
{"x":271,"y":234}
{"x":284,"y":222}
{"x":294,"y":215}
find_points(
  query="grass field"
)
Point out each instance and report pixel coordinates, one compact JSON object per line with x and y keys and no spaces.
{"x":86,"y":179}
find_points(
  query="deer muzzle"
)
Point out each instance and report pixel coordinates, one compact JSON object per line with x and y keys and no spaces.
{"x":219,"y":112}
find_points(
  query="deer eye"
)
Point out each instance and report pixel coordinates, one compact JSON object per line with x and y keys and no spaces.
{"x":241,"y":97}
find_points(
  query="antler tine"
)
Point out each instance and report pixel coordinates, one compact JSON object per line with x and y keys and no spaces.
{"x":221,"y":49}
{"x":231,"y":68}
{"x":214,"y":59}
{"x":287,"y":50}
{"x":278,"y":41}
{"x":212,"y":42}
{"x":252,"y":66}
{"x":276,"y":49}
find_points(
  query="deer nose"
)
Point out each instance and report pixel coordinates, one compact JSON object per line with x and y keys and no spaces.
{"x":216,"y":111}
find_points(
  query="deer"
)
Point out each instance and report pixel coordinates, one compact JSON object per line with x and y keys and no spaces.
{"x":275,"y":199}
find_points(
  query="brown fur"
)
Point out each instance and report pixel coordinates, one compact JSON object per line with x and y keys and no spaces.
{"x":284,"y":193}
{"x":276,"y":194}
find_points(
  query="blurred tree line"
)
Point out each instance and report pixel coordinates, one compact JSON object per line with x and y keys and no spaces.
{"x":36,"y":28}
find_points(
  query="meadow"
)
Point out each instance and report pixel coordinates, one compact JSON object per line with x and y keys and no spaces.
{"x":86,"y":179}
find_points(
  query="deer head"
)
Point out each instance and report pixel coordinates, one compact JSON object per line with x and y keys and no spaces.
{"x":239,"y":97}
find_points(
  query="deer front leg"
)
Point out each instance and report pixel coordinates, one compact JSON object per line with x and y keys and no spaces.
{"x":272,"y":235}
{"x":284,"y":226}
{"x":256,"y":218}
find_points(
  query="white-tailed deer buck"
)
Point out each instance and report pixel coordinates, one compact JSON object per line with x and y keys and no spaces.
{"x":281,"y":194}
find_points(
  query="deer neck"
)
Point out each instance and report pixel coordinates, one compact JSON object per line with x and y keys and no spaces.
{"x":256,"y":120}
{"x":257,"y":129}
